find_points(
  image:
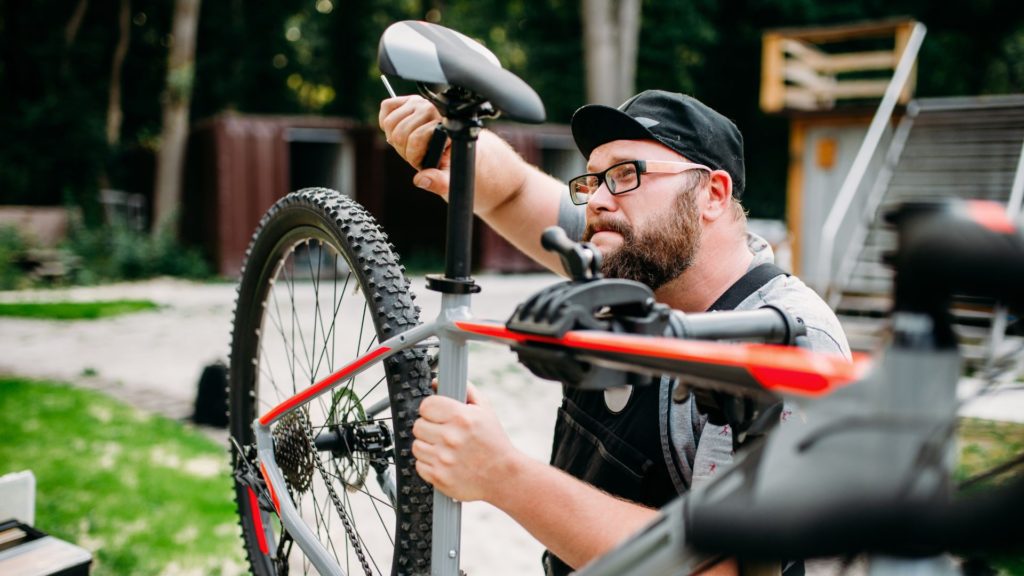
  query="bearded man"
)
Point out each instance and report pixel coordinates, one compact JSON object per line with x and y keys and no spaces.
{"x":661,"y":202}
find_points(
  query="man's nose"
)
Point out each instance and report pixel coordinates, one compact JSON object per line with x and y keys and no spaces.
{"x":602,"y":200}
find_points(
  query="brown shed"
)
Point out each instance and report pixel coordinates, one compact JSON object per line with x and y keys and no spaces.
{"x":240,"y":165}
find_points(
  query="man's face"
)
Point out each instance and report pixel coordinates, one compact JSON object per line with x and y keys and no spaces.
{"x":650,"y":234}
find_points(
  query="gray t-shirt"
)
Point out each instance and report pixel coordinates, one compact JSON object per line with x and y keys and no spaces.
{"x":702,"y":449}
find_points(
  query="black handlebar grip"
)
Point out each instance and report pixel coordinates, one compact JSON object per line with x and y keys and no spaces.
{"x":769,"y":323}
{"x":554,"y":239}
{"x":438,"y":140}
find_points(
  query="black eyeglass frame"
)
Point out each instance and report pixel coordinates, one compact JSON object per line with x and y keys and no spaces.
{"x":641,"y":166}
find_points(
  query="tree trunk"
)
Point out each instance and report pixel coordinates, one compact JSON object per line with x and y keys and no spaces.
{"x":71,"y":28}
{"x":114,"y":111}
{"x":177,"y":95}
{"x":629,"y":38}
{"x":611,"y":30}
{"x":599,"y":51}
{"x":71,"y":32}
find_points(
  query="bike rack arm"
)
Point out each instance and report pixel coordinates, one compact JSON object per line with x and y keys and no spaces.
{"x":658,"y":549}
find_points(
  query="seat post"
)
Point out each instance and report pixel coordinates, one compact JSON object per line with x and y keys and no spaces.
{"x":459,"y":246}
{"x":463,"y":131}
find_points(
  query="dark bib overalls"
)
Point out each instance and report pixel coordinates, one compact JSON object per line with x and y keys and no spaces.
{"x":621,"y":452}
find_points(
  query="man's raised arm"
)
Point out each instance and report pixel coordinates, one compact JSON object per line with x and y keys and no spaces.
{"x":515,"y":198}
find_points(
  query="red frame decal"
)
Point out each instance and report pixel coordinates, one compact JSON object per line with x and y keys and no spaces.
{"x":257,"y":521}
{"x":782,"y":368}
{"x":325,"y":383}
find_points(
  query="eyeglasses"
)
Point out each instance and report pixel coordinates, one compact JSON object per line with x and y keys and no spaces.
{"x":624,"y":177}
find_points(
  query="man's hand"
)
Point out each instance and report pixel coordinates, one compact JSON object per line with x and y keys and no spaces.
{"x":516,"y":199}
{"x":408,"y":123}
{"x":461,"y":448}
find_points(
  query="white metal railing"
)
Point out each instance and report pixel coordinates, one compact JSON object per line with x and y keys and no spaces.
{"x":852,"y":183}
{"x":999,"y":315}
{"x":860,"y":234}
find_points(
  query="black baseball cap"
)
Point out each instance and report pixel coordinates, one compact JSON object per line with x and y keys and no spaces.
{"x":678,"y":121}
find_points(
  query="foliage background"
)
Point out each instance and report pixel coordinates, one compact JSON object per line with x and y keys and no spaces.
{"x":318,"y":56}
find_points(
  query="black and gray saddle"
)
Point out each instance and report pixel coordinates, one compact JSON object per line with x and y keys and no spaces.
{"x":430,"y":54}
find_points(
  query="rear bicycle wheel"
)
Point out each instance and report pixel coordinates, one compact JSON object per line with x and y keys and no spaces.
{"x":321,"y":286}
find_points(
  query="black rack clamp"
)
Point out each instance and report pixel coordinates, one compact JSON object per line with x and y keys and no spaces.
{"x":587,"y":302}
{"x":598,"y":304}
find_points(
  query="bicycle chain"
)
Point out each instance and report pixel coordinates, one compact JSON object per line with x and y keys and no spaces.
{"x":346,"y":522}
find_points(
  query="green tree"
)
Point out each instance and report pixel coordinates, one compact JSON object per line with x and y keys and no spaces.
{"x":319,"y":56}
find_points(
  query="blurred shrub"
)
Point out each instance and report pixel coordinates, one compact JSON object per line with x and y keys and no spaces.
{"x":94,"y":254}
{"x":116,"y":252}
{"x":12,"y":251}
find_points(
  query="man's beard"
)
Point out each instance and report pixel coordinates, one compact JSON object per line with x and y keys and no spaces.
{"x":660,"y":252}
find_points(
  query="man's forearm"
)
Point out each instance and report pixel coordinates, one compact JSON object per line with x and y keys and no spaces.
{"x":515,"y":198}
{"x":574,"y":520}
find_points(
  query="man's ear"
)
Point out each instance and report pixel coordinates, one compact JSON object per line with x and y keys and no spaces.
{"x":719,"y":195}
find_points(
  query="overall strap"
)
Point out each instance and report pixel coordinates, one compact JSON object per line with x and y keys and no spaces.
{"x":754,"y":279}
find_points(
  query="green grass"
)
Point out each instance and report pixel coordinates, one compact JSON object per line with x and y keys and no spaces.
{"x":984,"y":444}
{"x":74,"y":310}
{"x":145,"y":494}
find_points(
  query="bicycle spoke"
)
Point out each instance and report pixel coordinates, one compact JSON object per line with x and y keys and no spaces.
{"x":359,"y":536}
{"x":276,"y":320}
{"x":264,"y":369}
{"x":326,"y":521}
{"x":291,"y":291}
{"x":365,"y":492}
{"x":296,"y":323}
{"x":330,"y":334}
{"x":288,"y":344}
{"x":290,"y":363}
{"x":383,"y":523}
{"x":334,"y":318}
{"x":315,"y":276}
{"x":374,"y":387}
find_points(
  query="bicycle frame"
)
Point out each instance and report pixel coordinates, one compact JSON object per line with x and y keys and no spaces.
{"x":777,"y":368}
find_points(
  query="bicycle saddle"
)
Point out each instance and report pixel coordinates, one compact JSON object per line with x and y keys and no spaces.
{"x":432,"y":54}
